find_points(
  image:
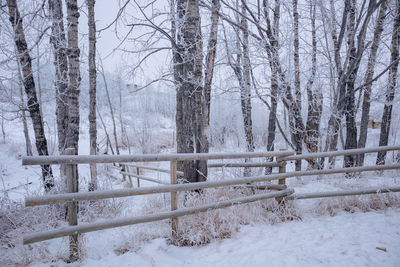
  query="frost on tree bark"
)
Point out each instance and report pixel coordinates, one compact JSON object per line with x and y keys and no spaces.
{"x":29,"y":86}
{"x":187,"y":56}
{"x":343,"y":103}
{"x":28,"y":143}
{"x":368,"y":77}
{"x":245,"y":89}
{"x":274,"y":91}
{"x":59,"y":43}
{"x":208,"y":77}
{"x":351,"y":129}
{"x":296,"y":133}
{"x":177,"y":57}
{"x":92,"y":92}
{"x":314,"y":97}
{"x":391,"y":87}
{"x":355,"y":54}
{"x":269,"y":38}
{"x":241,"y":67}
{"x":74,"y":75}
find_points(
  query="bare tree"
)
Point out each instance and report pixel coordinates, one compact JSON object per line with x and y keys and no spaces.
{"x":74,"y":74}
{"x":391,"y":87}
{"x":59,"y":43}
{"x":28,"y":144}
{"x":92,"y":92}
{"x":191,"y":87}
{"x":368,"y":77}
{"x":110,"y":106}
{"x":29,"y":86}
{"x":314,"y":97}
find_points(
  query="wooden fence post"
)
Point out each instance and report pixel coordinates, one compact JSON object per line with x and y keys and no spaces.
{"x":72,"y":187}
{"x":282,"y":169}
{"x":174,"y":204}
{"x":138,"y":173}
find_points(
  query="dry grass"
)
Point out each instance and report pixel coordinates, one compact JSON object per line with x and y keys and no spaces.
{"x":363,"y":203}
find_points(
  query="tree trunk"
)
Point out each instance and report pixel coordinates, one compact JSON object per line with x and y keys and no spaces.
{"x":73,"y":53}
{"x":59,"y":43}
{"x":314,"y":97}
{"x":392,"y":81}
{"x":92,"y":92}
{"x":190,"y":92}
{"x":245,"y":91}
{"x":355,"y":53}
{"x":28,"y":143}
{"x":272,"y":120}
{"x":177,"y":56}
{"x":29,"y":85}
{"x":39,"y":87}
{"x":351,"y":129}
{"x":111,"y":108}
{"x":208,"y":77}
{"x":297,"y":135}
{"x":368,"y":77}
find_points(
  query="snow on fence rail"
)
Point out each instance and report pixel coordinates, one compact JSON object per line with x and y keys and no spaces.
{"x":116,"y":193}
{"x":87,"y":159}
{"x":72,"y":197}
{"x":341,"y":152}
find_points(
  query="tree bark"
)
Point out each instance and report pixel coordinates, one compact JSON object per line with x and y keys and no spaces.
{"x":28,"y":143}
{"x":392,"y":81}
{"x":74,"y":74}
{"x":355,"y":54}
{"x":29,"y":86}
{"x":368,"y":77}
{"x":245,"y":90}
{"x":297,"y":135}
{"x":189,"y":78}
{"x":208,"y":77}
{"x":177,"y":56}
{"x":314,"y":97}
{"x":111,"y":108}
{"x":59,"y":43}
{"x":92,"y":92}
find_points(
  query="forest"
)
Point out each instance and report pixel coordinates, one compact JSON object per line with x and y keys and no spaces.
{"x":138,"y":77}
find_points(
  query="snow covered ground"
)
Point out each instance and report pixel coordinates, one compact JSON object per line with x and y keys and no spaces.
{"x":343,"y":240}
{"x":323,"y":236}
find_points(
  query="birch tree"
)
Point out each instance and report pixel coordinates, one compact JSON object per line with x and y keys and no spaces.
{"x":92,"y":92}
{"x":30,"y":90}
{"x":74,"y":75}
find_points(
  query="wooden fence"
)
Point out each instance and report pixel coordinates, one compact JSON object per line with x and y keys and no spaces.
{"x":72,"y":197}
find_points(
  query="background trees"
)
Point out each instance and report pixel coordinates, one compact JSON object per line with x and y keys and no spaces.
{"x":306,"y":75}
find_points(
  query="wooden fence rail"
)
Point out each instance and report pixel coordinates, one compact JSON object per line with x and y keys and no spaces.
{"x":87,"y":159}
{"x":341,"y":153}
{"x":117,"y":193}
{"x":84,"y":228}
{"x":73,"y":196}
{"x":364,"y":191}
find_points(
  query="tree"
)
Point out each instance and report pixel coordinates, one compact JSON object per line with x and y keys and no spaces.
{"x":190,"y":88}
{"x":391,"y":87}
{"x":30,"y":90}
{"x":73,"y":53}
{"x":362,"y":140}
{"x":92,"y":92}
{"x":241,"y":67}
{"x":59,"y":43}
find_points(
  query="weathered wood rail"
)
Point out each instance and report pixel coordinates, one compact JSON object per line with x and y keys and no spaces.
{"x":73,"y":196}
